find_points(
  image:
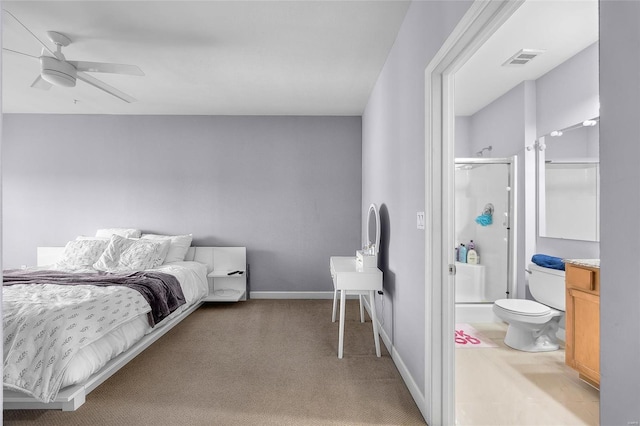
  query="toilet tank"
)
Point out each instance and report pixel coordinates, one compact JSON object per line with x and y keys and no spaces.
{"x":547,"y":286}
{"x":470,"y":283}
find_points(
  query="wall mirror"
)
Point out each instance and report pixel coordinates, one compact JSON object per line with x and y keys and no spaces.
{"x":373,"y":228}
{"x":568,"y":174}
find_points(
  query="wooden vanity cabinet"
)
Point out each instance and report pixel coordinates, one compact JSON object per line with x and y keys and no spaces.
{"x":582,"y":349}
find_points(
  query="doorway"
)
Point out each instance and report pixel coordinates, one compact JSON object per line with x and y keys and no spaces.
{"x":479,"y":24}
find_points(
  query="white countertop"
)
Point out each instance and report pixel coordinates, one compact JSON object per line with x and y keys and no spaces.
{"x":591,"y":263}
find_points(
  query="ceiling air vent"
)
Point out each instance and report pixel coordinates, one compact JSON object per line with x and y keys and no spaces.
{"x":523,"y":57}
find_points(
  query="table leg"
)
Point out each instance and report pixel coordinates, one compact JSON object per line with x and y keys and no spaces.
{"x":374,"y":320}
{"x":361,"y":308}
{"x":341,"y":335}
{"x":335,"y":302}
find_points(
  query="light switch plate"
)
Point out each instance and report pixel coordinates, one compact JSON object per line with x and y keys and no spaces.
{"x":420,"y":217}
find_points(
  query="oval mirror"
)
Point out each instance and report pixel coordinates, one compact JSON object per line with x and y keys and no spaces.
{"x":373,"y":228}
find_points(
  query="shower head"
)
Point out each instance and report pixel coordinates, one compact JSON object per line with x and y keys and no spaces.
{"x":481,"y":152}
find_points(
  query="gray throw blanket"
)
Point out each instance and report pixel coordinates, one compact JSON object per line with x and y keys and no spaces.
{"x":162,"y":291}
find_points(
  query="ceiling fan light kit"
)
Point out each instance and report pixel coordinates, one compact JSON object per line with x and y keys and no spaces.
{"x":59,"y":73}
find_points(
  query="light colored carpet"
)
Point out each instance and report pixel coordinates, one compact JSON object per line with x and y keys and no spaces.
{"x":260,"y":362}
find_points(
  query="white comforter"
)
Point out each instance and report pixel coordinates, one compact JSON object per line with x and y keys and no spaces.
{"x":90,"y":359}
{"x":59,"y":335}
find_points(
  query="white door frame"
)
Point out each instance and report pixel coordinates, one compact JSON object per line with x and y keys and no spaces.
{"x":481,"y":20}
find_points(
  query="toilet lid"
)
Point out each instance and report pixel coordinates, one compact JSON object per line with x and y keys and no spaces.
{"x":523,"y":307}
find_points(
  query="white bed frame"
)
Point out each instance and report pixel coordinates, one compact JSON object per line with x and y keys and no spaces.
{"x":72,"y":397}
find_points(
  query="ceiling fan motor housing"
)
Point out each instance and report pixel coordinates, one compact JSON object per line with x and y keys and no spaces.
{"x":57,"y":72}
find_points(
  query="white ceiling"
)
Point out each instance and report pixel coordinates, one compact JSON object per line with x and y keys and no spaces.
{"x":561,"y":28}
{"x":206,"y":57}
{"x":265,"y":57}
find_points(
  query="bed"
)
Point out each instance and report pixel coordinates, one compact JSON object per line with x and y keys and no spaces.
{"x":92,"y":362}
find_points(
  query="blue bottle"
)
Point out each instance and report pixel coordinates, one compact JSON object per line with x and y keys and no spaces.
{"x":462,"y":254}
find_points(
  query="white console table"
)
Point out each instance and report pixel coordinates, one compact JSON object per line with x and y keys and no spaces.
{"x":350,"y":277}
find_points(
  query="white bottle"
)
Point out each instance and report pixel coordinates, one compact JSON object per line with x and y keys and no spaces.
{"x":472,"y":257}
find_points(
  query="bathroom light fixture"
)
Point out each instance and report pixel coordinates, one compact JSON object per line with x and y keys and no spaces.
{"x":581,"y":125}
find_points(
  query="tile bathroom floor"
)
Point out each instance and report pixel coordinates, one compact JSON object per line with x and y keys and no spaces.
{"x":502,"y":386}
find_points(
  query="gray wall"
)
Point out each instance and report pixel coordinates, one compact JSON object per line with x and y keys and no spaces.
{"x":500,"y":124}
{"x":568,"y":94}
{"x":463,"y":137}
{"x":620,"y":209}
{"x":287,"y":188}
{"x":393,"y":167}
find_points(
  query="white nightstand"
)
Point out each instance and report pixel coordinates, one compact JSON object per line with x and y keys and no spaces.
{"x":228,"y":279}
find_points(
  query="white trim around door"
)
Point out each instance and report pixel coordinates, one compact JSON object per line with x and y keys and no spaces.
{"x":481,"y":20}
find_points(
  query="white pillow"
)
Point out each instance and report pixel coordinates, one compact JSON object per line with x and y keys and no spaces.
{"x":165,"y":245}
{"x":126,"y":254}
{"x":123,"y":232}
{"x":179,"y":245}
{"x":81,"y":254}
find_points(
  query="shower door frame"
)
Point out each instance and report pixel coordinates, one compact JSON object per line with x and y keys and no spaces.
{"x":512,"y":216}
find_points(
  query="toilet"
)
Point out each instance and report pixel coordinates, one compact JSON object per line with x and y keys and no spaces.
{"x":533,"y":324}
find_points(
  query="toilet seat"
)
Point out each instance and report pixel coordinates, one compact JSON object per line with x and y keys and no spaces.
{"x":524,"y":307}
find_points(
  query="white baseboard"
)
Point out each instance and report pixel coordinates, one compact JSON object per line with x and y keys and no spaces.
{"x":411,"y":384}
{"x":295,"y":295}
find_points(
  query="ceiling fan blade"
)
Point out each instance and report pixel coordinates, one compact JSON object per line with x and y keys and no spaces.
{"x":106,"y":67}
{"x":20,"y":53}
{"x":105,"y":87}
{"x":29,"y":31}
{"x":40,"y":83}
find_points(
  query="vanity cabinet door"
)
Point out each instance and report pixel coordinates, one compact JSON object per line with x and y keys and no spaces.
{"x":582,"y":349}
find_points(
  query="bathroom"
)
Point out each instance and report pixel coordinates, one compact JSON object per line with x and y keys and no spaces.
{"x":501,"y":153}
{"x":518,"y":154}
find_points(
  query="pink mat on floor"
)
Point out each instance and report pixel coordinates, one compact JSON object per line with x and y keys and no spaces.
{"x":468,"y":337}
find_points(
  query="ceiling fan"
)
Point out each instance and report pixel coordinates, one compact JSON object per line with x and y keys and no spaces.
{"x":56,"y":70}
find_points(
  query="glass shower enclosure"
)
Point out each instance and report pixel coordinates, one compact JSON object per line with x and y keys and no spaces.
{"x":485,"y":213}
